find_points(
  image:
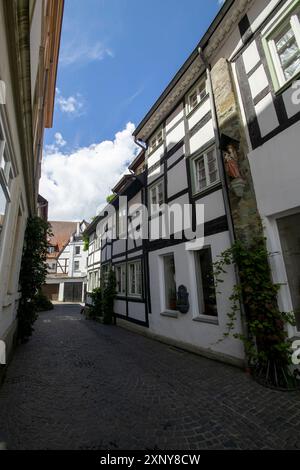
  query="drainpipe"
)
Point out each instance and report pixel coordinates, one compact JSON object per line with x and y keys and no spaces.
{"x":225,"y":190}
{"x":218,"y":146}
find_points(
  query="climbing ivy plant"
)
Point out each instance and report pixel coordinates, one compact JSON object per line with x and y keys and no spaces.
{"x":265,"y":341}
{"x":33,"y":273}
{"x":109,"y":293}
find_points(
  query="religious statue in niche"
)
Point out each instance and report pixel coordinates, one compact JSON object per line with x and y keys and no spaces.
{"x":231,"y":162}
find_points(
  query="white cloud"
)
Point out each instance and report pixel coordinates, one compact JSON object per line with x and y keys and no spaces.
{"x":76,"y":184}
{"x":59,"y":140}
{"x":80,"y":51}
{"x":73,"y":105}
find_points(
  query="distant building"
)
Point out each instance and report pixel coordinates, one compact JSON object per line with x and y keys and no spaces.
{"x":66,"y":262}
{"x":29,"y":47}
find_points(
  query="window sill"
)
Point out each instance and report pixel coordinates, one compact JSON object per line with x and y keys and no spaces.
{"x":207,"y":319}
{"x":207,"y":190}
{"x":170,"y":313}
{"x":282,"y":88}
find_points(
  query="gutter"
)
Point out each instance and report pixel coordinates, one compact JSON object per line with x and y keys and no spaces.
{"x":202,"y":43}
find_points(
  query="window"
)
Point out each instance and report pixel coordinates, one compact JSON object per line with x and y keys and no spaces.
{"x":196,"y":96}
{"x":5,"y":179}
{"x":120,"y":271}
{"x":77,"y":250}
{"x":134,"y":279}
{"x":51,"y":249}
{"x":205,"y":283}
{"x":288,"y":228}
{"x":76,"y":266}
{"x":156,"y":141}
{"x":283,"y":46}
{"x":156,"y":197}
{"x":170,"y":282}
{"x":205,"y":170}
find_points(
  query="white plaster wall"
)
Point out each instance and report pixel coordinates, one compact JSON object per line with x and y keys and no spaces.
{"x":175,"y":135}
{"x":198,"y":114}
{"x":155,"y":156}
{"x":266,"y":115}
{"x":176,"y":156}
{"x":275,"y":168}
{"x":184,"y":328}
{"x":177,"y":178}
{"x":213,"y":205}
{"x":136,"y":310}
{"x":120,"y":307}
{"x":174,"y":117}
{"x":203,"y":136}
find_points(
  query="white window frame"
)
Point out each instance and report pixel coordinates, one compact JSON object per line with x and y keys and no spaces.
{"x":291,"y":17}
{"x":200,"y":288}
{"x":167,"y":308}
{"x":195,"y":159}
{"x":198,"y":89}
{"x":122,"y":281}
{"x":156,"y":140}
{"x":76,"y":247}
{"x":76,"y":263}
{"x":129,"y":291}
{"x":155,"y":208}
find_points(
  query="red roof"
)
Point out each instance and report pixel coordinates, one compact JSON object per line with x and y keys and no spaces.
{"x":62,"y":232}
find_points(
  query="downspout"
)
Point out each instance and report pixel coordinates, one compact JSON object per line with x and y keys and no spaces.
{"x":225,"y":191}
{"x":218,"y":146}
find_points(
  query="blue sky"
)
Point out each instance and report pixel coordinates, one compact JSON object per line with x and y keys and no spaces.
{"x":116,"y":58}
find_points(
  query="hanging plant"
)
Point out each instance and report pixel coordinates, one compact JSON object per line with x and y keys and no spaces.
{"x":266,"y":341}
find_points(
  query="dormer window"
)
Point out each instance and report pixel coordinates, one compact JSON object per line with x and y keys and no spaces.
{"x":197,"y":95}
{"x":156,"y":140}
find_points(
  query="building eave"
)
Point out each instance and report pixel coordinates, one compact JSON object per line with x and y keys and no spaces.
{"x":143,"y":131}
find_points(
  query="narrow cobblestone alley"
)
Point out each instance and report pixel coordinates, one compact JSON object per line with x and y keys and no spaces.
{"x":82,"y":385}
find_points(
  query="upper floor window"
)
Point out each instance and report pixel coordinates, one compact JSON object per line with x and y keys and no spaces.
{"x":283,"y":47}
{"x":156,"y":140}
{"x":77,"y":250}
{"x":196,"y":96}
{"x":76,"y":266}
{"x":156,"y":196}
{"x":205,"y":170}
{"x":206,"y":283}
{"x":51,"y":249}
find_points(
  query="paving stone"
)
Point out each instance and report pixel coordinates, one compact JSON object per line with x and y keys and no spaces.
{"x":78,"y":384}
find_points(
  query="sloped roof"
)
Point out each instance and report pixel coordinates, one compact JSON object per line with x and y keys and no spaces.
{"x":62,"y":232}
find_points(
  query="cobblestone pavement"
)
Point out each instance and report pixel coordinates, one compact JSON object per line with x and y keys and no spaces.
{"x":82,"y":385}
